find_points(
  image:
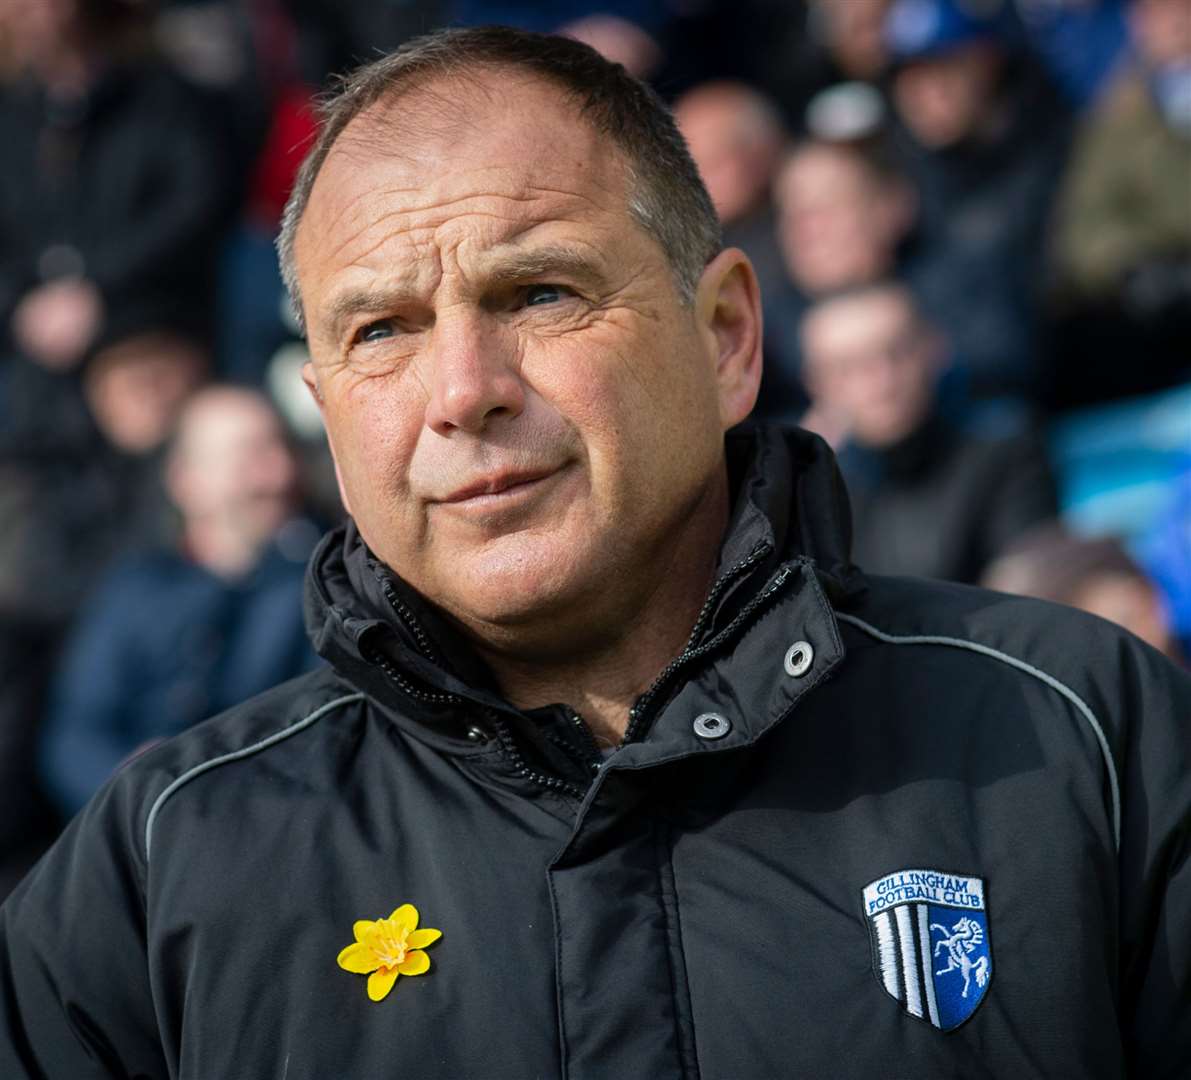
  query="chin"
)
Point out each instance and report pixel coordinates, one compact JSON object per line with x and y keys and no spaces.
{"x":516,"y":590}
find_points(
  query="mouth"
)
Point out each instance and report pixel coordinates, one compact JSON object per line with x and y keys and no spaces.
{"x":496,"y":488}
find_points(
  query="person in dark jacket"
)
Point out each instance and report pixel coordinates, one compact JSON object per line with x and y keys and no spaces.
{"x":983,"y":135}
{"x":173,"y":635}
{"x":931,"y":494}
{"x":620,"y":768}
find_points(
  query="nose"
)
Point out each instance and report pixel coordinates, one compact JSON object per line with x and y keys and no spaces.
{"x":474,"y":377}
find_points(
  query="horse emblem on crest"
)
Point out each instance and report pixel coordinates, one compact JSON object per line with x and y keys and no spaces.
{"x":966,"y":936}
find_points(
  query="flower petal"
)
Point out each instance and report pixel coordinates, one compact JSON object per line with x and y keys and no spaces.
{"x":358,"y":958}
{"x":380,"y":982}
{"x":415,"y":963}
{"x":419,"y":939}
{"x":361,"y":926}
{"x":406,"y":915}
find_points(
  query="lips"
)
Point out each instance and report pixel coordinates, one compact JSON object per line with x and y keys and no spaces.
{"x":495,"y":484}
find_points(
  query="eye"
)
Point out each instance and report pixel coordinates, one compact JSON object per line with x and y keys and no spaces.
{"x":375,"y":331}
{"x":537,"y":295}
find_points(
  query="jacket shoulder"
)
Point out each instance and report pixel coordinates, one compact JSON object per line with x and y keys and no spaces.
{"x":1133,"y":700}
{"x":143,"y":787}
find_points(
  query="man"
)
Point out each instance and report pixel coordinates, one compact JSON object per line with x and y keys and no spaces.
{"x":1095,"y":574}
{"x":982,"y":134}
{"x":843,"y":214}
{"x":620,"y":771}
{"x":930,"y":495}
{"x":1122,"y":235}
{"x":175,"y":634}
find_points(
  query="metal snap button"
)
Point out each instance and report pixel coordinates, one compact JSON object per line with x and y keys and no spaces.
{"x":798,"y":658}
{"x":711,"y":725}
{"x":477,"y":734}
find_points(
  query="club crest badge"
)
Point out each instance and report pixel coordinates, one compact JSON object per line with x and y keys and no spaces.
{"x":929,"y":934}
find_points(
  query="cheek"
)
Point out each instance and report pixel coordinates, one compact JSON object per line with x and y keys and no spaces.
{"x":372,"y":434}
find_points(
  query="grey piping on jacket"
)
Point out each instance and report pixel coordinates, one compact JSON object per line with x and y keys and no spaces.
{"x":236,"y":755}
{"x":1029,"y":669}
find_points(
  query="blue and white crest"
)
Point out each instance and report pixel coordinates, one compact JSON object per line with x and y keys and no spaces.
{"x":929,"y":931}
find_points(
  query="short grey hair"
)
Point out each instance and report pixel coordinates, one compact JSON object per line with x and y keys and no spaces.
{"x":666,"y":195}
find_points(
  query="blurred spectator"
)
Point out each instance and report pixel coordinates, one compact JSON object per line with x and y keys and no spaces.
{"x":625,"y":31}
{"x":1096,"y":575}
{"x":736,"y":137}
{"x":983,"y":135}
{"x":843,"y":213}
{"x":928,"y":497}
{"x":115,"y":187}
{"x":65,"y":510}
{"x":175,"y":635}
{"x":1123,"y":242}
{"x":819,"y":43}
{"x":136,"y":385}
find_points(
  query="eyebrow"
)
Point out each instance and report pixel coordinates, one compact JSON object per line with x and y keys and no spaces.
{"x":564,"y":259}
{"x":501,"y":267}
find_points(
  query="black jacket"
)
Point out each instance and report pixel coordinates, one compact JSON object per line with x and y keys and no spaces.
{"x":944,"y":502}
{"x":904,"y":788}
{"x":132,"y":178}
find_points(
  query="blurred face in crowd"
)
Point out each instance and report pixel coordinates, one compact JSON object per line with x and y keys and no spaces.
{"x":735,"y":138}
{"x":1129,"y":601}
{"x":854,"y":32}
{"x":521,"y":408}
{"x":136,"y":387}
{"x":1161,"y":30}
{"x":231,"y":464}
{"x":839,"y":223}
{"x":870,"y":364}
{"x":32,"y":29}
{"x":943,"y":99}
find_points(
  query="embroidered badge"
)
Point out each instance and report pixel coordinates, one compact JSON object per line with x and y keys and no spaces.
{"x":929,"y":933}
{"x":387,"y":948}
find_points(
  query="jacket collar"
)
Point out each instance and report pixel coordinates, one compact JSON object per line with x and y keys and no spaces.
{"x":790,"y":507}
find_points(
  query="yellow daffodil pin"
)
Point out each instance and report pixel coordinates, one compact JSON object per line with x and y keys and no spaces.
{"x":387,"y":948}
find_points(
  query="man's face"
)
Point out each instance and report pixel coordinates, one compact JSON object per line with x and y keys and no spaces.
{"x":870,"y":365}
{"x":837,"y":224}
{"x":733,"y":151}
{"x":523,"y":415}
{"x":942,"y":99}
{"x":1161,"y":31}
{"x":231,"y":464}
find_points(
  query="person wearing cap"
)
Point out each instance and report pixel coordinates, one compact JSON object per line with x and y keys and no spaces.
{"x":983,"y":134}
{"x":620,"y":767}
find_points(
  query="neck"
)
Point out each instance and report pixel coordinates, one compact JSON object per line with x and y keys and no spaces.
{"x":647,"y":622}
{"x":65,"y":71}
{"x":222,"y":546}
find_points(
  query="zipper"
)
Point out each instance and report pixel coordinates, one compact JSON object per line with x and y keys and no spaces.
{"x":419,"y":692}
{"x":505,"y":740}
{"x":508,"y":746}
{"x":410,"y":621}
{"x":641,"y":712}
{"x":594,"y":755}
{"x":500,"y":727}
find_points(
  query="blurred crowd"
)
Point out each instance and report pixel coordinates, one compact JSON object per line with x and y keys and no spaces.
{"x":971,"y":220}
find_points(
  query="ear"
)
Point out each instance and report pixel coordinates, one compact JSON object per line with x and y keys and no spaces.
{"x":728,"y":312}
{"x":310,"y":378}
